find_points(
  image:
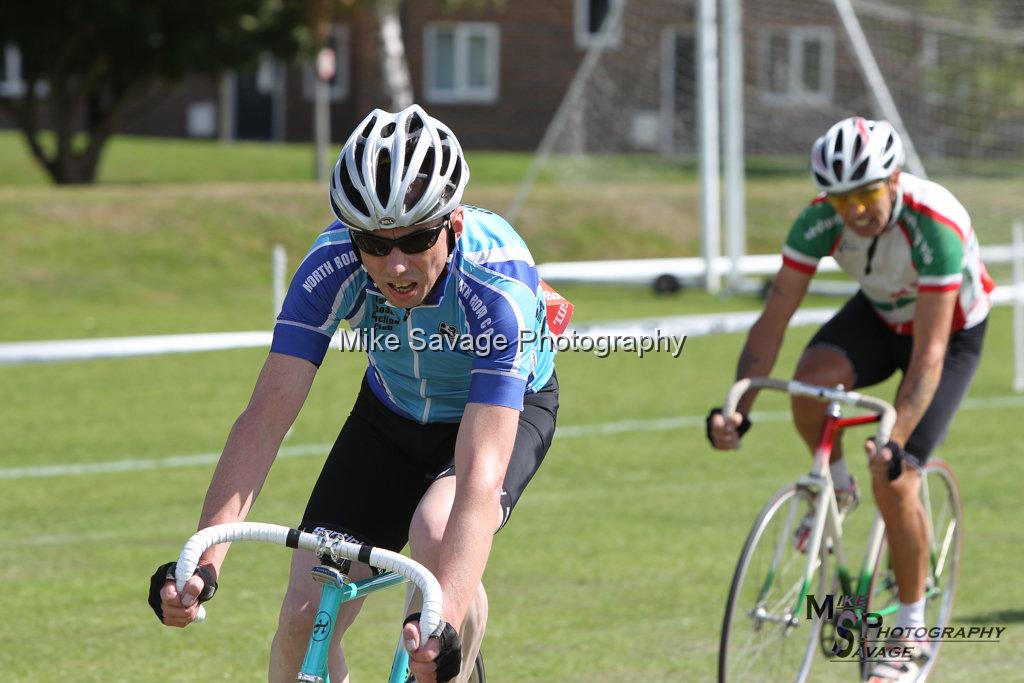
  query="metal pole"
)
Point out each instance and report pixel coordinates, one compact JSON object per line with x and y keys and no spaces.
{"x":735,"y":189}
{"x":876,"y":82}
{"x":707,"y":124}
{"x":1018,"y":307}
{"x":226,"y":112}
{"x":567,"y":106}
{"x":321,"y":127}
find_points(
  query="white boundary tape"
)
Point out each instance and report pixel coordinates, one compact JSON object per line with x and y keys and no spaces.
{"x":567,"y":432}
{"x":17,"y":353}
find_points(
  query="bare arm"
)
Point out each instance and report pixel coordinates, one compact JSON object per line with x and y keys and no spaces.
{"x":933,"y":319}
{"x":482,"y":450}
{"x":762,"y":348}
{"x":252,"y":445}
{"x":250,"y":450}
{"x":765,"y":337}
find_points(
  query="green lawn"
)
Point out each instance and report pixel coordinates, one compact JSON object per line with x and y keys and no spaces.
{"x":617,"y":561}
{"x":620,"y":552}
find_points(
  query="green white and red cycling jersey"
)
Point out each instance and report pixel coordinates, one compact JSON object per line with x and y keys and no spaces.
{"x":928,"y":246}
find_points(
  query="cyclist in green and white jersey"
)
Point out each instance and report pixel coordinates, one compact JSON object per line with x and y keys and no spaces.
{"x":921,"y":308}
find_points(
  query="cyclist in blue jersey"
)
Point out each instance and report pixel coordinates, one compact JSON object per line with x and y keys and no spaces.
{"x":458,"y":402}
{"x":922,"y":309}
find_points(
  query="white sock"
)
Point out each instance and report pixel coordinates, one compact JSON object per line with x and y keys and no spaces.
{"x":910,"y":614}
{"x":840,"y":475}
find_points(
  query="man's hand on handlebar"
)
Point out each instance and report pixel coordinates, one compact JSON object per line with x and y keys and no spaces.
{"x":172,"y":608}
{"x":725,"y":434}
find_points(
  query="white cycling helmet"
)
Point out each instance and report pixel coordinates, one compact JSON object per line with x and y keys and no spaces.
{"x":397,"y":170}
{"x":854,"y":152}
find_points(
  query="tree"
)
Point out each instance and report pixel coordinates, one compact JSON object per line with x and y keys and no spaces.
{"x":82,"y":61}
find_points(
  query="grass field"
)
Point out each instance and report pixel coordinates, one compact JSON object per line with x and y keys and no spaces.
{"x":615,"y":566}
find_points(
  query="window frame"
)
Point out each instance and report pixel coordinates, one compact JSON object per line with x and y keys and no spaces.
{"x":462,"y":92}
{"x":797,"y":37}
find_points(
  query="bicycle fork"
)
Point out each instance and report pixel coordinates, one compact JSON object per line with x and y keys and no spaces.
{"x":337,"y":590}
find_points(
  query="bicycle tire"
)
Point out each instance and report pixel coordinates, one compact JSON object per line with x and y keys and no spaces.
{"x":944,"y":511}
{"x":790,"y":656}
{"x":478,"y":675}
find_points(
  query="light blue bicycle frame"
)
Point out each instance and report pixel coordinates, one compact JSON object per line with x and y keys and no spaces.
{"x":335,"y":592}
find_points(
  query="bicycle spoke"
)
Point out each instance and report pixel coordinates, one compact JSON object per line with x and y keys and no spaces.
{"x":763,"y":638}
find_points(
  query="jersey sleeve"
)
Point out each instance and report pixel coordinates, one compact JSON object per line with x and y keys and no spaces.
{"x":502,"y":315}
{"x":328,"y":286}
{"x":812,"y":236}
{"x":938,"y":254}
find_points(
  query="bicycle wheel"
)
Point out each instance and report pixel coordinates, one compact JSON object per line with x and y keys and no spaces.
{"x":762,"y":638}
{"x":940,"y":496}
{"x":478,"y":670}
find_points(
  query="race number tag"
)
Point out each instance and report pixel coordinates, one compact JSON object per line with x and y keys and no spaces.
{"x":559,"y":309}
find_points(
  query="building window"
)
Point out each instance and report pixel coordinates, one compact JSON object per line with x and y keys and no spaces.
{"x":798,"y":65}
{"x":266,"y":74}
{"x":461,"y":62}
{"x":11,"y":84}
{"x":590,"y":18}
{"x":337,"y":40}
{"x":201,"y":119}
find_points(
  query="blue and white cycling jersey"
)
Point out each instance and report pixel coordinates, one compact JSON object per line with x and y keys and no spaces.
{"x":491,"y":294}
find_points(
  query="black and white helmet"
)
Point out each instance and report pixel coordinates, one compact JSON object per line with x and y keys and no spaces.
{"x":854,"y":152}
{"x":397,"y":170}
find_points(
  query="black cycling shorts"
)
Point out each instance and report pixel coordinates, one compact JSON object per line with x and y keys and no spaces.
{"x":382,"y":464}
{"x":875,"y":351}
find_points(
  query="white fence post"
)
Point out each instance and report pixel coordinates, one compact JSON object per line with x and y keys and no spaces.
{"x":279,"y":261}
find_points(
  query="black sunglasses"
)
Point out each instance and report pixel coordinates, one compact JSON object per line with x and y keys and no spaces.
{"x":413,"y":243}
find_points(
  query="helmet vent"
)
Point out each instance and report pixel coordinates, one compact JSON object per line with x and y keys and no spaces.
{"x":387,"y":131}
{"x":858,"y":172}
{"x":454,"y":182}
{"x":418,"y":187}
{"x":369,"y":127}
{"x":889,"y":143}
{"x":384,"y":177}
{"x":822,"y":181}
{"x":350,"y":193}
{"x":858,"y":144}
{"x":358,"y":156}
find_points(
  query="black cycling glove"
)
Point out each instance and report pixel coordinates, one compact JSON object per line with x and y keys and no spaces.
{"x":449,"y":659}
{"x":165,"y":572}
{"x":742,"y":429}
{"x":899,"y":456}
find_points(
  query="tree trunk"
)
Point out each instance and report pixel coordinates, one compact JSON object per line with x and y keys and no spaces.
{"x":393,"y":64}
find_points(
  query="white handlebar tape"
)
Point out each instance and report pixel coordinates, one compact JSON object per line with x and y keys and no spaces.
{"x":887,"y":412}
{"x":386,"y":560}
